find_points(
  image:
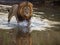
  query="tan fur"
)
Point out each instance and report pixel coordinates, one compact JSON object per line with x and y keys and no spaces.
{"x":13,"y":12}
{"x":19,"y":9}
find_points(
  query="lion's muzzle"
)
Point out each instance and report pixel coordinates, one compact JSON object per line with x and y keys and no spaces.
{"x":26,"y":11}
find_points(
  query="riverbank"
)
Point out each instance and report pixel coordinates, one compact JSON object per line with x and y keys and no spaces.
{"x":39,"y":37}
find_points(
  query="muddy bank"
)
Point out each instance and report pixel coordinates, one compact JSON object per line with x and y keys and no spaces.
{"x":7,"y":37}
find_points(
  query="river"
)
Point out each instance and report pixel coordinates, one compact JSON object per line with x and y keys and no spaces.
{"x":47,"y":19}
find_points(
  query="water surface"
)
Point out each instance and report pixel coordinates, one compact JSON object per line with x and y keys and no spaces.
{"x":40,"y":20}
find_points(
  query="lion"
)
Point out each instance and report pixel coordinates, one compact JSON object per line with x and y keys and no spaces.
{"x":22,"y":11}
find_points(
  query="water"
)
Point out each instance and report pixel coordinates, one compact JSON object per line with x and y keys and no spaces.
{"x":39,"y":21}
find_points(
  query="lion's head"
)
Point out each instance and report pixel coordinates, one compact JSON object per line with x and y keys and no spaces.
{"x":25,"y":9}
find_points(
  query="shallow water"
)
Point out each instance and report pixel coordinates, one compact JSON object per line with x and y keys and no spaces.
{"x":39,"y":21}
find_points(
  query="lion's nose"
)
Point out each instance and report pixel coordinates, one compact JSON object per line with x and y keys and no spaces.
{"x":26,"y":11}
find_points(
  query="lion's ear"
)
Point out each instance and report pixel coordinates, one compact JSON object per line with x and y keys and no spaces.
{"x":31,"y":3}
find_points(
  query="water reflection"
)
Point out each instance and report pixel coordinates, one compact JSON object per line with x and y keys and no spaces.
{"x":38,"y":22}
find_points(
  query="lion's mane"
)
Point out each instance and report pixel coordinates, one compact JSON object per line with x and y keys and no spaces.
{"x":21,"y":9}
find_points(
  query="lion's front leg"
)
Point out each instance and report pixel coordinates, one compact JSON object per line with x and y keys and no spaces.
{"x":9,"y":18}
{"x":10,"y":15}
{"x":17,"y":18}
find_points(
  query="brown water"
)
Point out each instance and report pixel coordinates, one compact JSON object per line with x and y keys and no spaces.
{"x":43,"y":19}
